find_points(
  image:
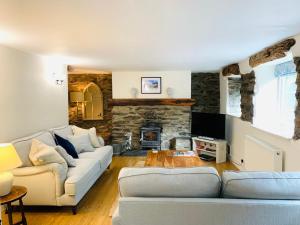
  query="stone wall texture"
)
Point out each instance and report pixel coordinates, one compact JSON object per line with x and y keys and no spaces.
{"x":206,"y":92}
{"x":175,"y":121}
{"x":247,"y":92}
{"x":297,"y":111}
{"x":77,"y":83}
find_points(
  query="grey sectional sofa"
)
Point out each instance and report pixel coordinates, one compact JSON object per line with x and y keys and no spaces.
{"x":199,"y":196}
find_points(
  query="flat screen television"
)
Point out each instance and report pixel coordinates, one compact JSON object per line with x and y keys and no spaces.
{"x":208,"y":125}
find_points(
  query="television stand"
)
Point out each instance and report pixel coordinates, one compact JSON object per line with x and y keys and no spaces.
{"x":215,"y":148}
{"x":206,"y":138}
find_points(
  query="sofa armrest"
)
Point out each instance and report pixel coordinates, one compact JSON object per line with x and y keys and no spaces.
{"x":32,"y":170}
{"x":59,"y":171}
{"x":116,"y":219}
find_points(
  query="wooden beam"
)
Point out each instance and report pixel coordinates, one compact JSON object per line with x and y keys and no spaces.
{"x":274,"y":52}
{"x":163,"y":101}
{"x":233,"y":69}
{"x":78,"y":70}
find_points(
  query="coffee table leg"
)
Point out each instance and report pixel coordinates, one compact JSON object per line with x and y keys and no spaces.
{"x":24,"y":222}
{"x":9,"y":213}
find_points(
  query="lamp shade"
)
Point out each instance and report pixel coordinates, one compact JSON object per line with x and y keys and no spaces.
{"x":76,"y":96}
{"x":9,"y":158}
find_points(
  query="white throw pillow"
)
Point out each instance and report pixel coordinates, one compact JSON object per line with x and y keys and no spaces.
{"x":69,"y":159}
{"x":41,"y":154}
{"x":82,"y":143}
{"x":101,"y":141}
{"x":92,"y":133}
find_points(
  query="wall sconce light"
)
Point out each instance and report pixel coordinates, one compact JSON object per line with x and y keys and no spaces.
{"x":59,"y":74}
{"x":59,"y":82}
{"x":170,"y":92}
{"x":134,"y":92}
{"x":76,"y":97}
{"x":55,"y":70}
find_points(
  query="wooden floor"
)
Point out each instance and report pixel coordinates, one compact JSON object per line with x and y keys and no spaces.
{"x":95,"y":207}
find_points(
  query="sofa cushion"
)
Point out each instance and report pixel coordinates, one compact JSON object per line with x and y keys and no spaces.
{"x":198,"y":182}
{"x":101,"y":141}
{"x":69,"y":159}
{"x":23,"y":145}
{"x":103,"y":154}
{"x":261,"y":185}
{"x":82,"y":143}
{"x":91,"y":132}
{"x":63,"y":131}
{"x":84,"y":174}
{"x":42,"y":154}
{"x":67,"y":145}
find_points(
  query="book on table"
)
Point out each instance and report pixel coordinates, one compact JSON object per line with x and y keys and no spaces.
{"x":184,"y":153}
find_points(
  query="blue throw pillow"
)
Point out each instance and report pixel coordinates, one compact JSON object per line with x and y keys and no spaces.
{"x":66,"y":145}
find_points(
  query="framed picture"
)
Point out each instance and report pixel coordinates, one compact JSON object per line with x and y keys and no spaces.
{"x":151,"y":85}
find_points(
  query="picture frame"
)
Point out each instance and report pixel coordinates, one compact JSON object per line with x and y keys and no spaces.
{"x":151,"y":85}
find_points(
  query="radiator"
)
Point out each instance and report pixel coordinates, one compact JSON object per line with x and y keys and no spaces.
{"x":262,"y":156}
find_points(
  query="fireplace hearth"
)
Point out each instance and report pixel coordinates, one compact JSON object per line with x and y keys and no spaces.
{"x":151,"y":136}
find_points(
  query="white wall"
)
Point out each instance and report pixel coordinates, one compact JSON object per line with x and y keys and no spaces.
{"x":296,"y":48}
{"x":30,"y":100}
{"x":223,"y":93}
{"x":123,"y":81}
{"x":236,"y":129}
{"x":244,"y":66}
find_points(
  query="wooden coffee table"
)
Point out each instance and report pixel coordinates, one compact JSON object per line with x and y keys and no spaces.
{"x":166,"y":158}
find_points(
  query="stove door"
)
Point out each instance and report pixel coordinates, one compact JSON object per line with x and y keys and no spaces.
{"x":150,"y":136}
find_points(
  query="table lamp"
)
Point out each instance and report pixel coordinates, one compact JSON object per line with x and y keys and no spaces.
{"x":9,"y":160}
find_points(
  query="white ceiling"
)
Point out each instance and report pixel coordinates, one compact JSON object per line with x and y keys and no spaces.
{"x":197,"y":35}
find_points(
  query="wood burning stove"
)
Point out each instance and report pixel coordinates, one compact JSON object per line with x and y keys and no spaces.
{"x":151,"y":136}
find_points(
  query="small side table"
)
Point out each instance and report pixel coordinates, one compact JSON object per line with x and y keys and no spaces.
{"x":16,"y":194}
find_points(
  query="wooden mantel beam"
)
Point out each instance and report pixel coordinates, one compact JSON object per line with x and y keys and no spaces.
{"x":162,"y":101}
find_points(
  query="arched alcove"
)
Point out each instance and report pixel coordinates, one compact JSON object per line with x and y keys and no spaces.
{"x":93,"y":102}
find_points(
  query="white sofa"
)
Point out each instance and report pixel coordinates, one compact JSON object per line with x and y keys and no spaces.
{"x":199,"y":196}
{"x":55,"y":184}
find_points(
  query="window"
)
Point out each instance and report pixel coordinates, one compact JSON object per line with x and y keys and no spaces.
{"x":274,"y":100}
{"x":234,"y":96}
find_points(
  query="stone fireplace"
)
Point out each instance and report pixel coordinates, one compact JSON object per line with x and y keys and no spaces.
{"x":173,"y":121}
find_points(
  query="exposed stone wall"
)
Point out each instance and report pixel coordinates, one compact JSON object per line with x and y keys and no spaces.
{"x":175,"y":121}
{"x":206,"y":92}
{"x":234,"y":95}
{"x":247,"y":92}
{"x":77,"y":83}
{"x":297,"y":111}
